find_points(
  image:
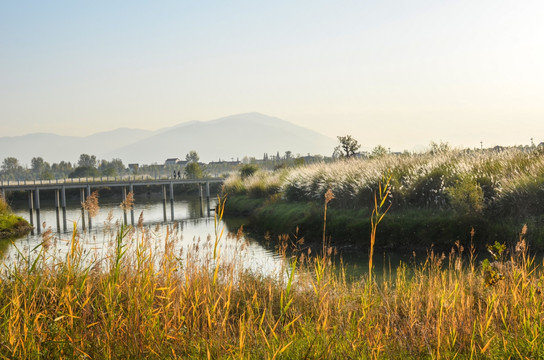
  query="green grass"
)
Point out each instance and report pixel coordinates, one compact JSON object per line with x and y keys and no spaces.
{"x":11,"y":226}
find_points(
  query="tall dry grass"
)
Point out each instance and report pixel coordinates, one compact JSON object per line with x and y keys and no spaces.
{"x":462,"y":180}
{"x":144,"y":299}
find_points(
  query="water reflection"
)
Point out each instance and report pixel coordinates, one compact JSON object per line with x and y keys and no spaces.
{"x":193,"y":233}
{"x":190,"y":234}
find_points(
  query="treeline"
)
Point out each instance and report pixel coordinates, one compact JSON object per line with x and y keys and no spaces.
{"x":86,"y":166}
{"x":90,"y":166}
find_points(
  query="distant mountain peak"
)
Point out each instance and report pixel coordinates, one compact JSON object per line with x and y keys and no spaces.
{"x":247,"y":134}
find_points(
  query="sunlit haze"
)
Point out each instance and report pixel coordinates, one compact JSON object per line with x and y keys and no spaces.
{"x":396,"y":73}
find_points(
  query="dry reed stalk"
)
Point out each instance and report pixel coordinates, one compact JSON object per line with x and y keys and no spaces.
{"x":128,"y":203}
{"x":91,"y":204}
{"x":377,"y":216}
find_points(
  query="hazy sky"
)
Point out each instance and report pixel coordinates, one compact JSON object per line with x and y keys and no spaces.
{"x":396,"y":73}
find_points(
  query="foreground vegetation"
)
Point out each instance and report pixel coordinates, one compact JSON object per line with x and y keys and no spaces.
{"x":437,"y":197}
{"x":11,"y":225}
{"x":145,"y":298}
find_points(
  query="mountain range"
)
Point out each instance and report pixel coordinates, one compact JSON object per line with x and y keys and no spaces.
{"x":231,"y":137}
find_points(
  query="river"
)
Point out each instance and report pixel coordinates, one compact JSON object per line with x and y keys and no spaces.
{"x":193,"y":228}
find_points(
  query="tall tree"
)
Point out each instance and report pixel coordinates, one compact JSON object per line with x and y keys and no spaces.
{"x":378,"y":152}
{"x":193,"y":170}
{"x":11,"y":168}
{"x":38,"y":165}
{"x":11,"y":164}
{"x":88,"y":161}
{"x":347,"y":146}
{"x":192,"y":156}
{"x":288,"y":154}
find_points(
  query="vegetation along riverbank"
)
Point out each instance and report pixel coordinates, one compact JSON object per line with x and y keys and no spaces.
{"x":436,"y":198}
{"x":142,"y":297}
{"x":11,"y":225}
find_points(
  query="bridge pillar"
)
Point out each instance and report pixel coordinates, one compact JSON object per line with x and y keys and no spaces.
{"x":31,"y":209}
{"x":88,"y":213}
{"x":124,"y":209}
{"x":131,"y":189}
{"x":208,"y":198}
{"x":172,"y":200}
{"x":82,"y":197}
{"x":164,"y":202}
{"x":57,"y":209}
{"x":63,"y":201}
{"x":201,"y":200}
{"x":37,"y":205}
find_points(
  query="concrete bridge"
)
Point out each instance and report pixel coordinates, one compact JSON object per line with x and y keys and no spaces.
{"x":85,"y":185}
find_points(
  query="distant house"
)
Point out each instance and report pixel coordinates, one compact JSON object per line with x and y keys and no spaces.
{"x":362,"y":155}
{"x":171,"y":161}
{"x":222,"y":162}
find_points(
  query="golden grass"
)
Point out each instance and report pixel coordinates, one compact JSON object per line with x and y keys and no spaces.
{"x":144,"y":299}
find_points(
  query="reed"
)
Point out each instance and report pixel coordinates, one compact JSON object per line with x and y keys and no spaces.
{"x":494,"y":191}
{"x":146,"y":298}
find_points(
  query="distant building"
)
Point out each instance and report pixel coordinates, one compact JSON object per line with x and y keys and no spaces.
{"x":171,"y":161}
{"x":133,"y":167}
{"x":361,"y":155}
{"x":222,"y":162}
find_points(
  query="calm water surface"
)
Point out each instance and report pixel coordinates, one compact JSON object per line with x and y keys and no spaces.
{"x":193,"y":228}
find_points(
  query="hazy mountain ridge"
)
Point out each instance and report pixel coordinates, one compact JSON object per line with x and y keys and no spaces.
{"x":231,"y":137}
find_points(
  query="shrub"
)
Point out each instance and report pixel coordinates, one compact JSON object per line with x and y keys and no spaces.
{"x":466,"y":197}
{"x":248,"y":170}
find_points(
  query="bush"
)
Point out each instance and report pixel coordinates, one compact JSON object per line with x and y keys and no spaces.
{"x":248,"y":170}
{"x":466,"y":197}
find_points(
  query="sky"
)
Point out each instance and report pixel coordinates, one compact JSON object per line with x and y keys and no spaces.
{"x":396,"y":73}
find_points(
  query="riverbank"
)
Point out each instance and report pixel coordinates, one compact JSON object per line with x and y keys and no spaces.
{"x":436,"y":199}
{"x":11,"y":225}
{"x":401,"y":230}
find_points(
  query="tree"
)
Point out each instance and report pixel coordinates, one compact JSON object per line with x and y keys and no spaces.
{"x":378,"y":152}
{"x":439,"y":148}
{"x":348,"y":146}
{"x":193,"y":170}
{"x":288,"y":154}
{"x":248,"y":170}
{"x":192,"y":156}
{"x":62,"y":169}
{"x":84,"y":171}
{"x":86,"y":160}
{"x":111,"y":168}
{"x":38,"y":165}
{"x":11,"y":168}
{"x":11,"y":164}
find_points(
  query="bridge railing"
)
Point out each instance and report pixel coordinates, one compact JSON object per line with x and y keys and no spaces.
{"x":89,"y":180}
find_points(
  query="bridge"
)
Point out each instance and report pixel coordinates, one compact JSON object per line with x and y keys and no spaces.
{"x":85,"y":185}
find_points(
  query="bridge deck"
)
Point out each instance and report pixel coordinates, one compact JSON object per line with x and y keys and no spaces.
{"x":97,"y":183}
